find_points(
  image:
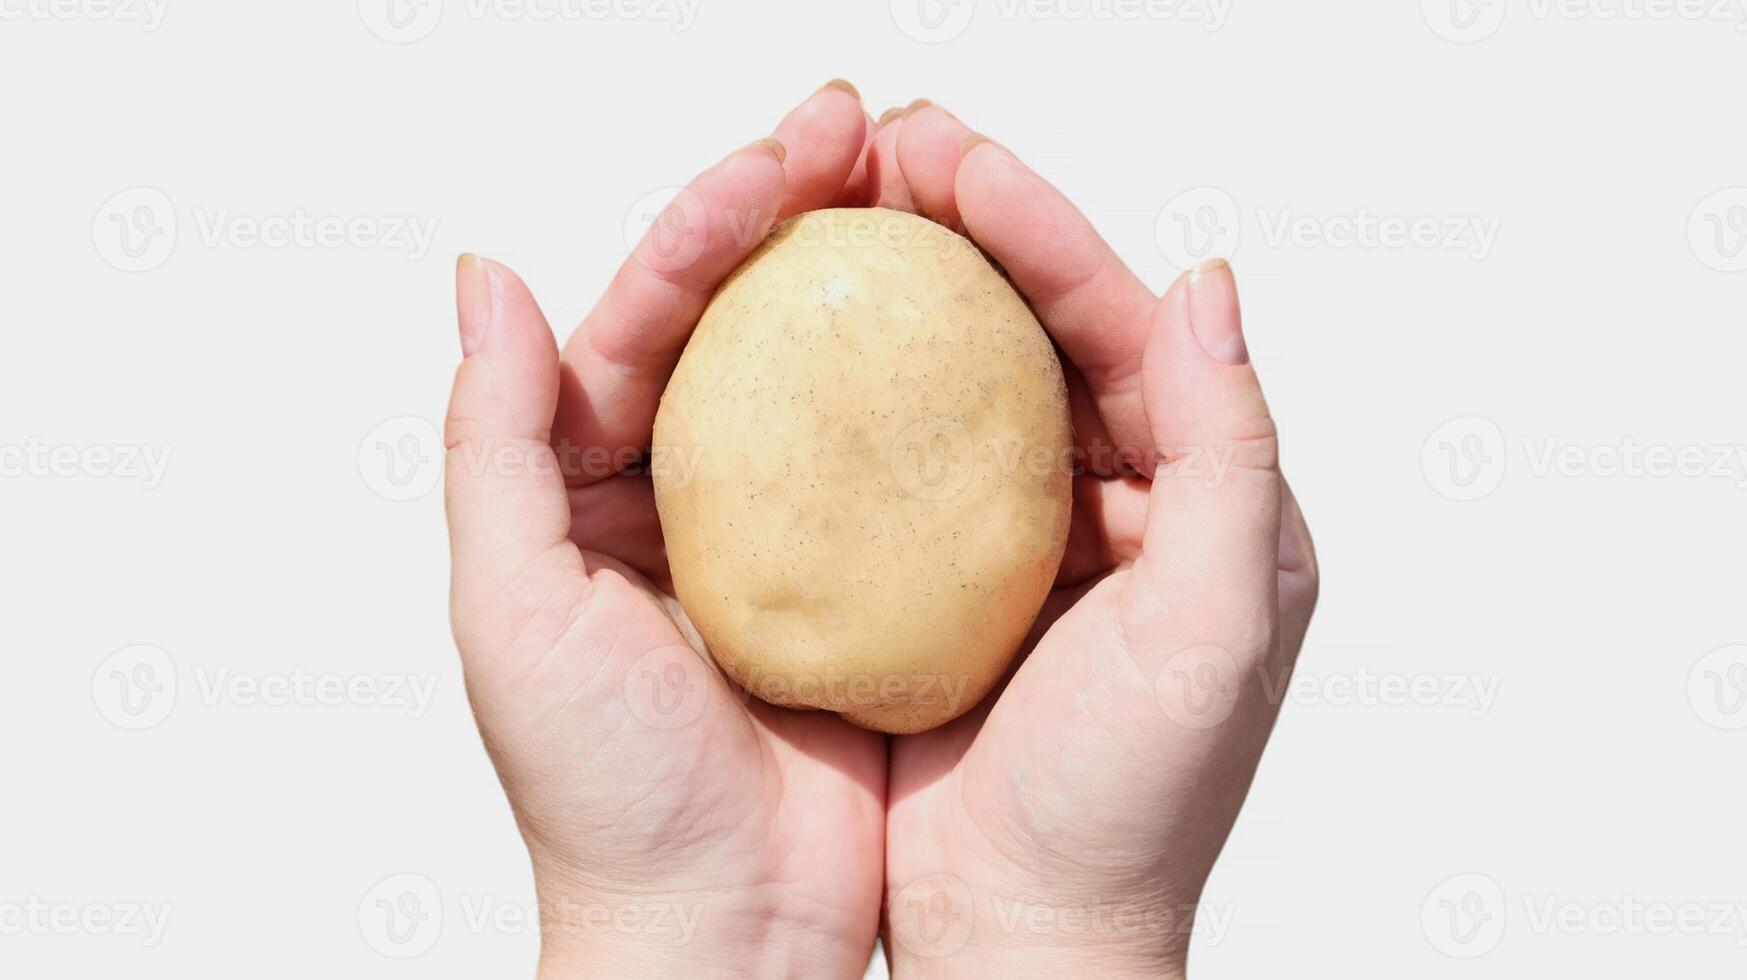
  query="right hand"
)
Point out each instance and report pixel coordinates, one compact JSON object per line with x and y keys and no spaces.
{"x":642,"y":784}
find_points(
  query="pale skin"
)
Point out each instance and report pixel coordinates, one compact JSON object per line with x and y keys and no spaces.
{"x":1092,"y":783}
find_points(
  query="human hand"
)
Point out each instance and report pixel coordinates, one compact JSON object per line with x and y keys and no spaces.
{"x":1066,"y":826}
{"x":675,"y":828}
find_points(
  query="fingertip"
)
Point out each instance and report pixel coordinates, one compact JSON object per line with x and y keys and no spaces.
{"x":843,"y":85}
{"x":824,"y":137}
{"x":771,"y":146}
{"x":1215,"y":315}
{"x":930,"y":146}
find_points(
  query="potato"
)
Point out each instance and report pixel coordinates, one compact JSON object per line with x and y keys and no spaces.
{"x":865,"y":475}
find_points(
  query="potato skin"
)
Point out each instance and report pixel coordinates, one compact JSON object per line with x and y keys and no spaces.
{"x":862,"y":470}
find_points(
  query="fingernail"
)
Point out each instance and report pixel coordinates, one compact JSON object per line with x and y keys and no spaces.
{"x":772,"y":146}
{"x":971,"y":141}
{"x":473,"y":301}
{"x":917,"y":106}
{"x":894,"y":112}
{"x":1213,"y":312}
{"x":842,"y":86}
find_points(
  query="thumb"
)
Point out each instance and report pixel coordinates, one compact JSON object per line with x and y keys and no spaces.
{"x":1210,"y":556}
{"x":503,"y":490}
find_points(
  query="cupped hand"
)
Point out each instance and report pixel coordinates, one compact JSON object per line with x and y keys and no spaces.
{"x":675,"y":827}
{"x":1068,"y":824}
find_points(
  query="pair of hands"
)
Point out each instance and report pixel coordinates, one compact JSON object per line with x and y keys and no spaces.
{"x":1066,"y":825}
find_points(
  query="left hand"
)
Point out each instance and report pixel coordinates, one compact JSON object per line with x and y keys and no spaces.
{"x":1066,"y":826}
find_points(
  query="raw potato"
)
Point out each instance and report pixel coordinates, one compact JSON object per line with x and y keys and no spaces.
{"x":862,"y":470}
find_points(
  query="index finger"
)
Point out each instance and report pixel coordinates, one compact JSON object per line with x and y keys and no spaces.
{"x":616,"y":364}
{"x":1094,"y":306}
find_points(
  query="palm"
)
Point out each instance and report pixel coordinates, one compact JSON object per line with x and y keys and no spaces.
{"x":635,"y":736}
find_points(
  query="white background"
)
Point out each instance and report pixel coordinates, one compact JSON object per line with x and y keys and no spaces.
{"x":1607,"y":769}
